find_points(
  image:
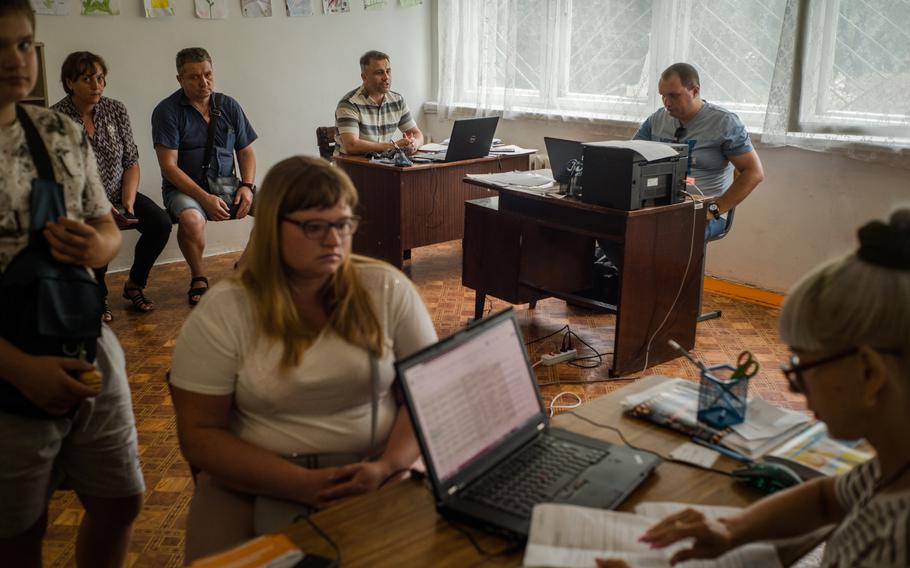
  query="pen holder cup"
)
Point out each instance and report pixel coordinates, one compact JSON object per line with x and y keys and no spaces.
{"x":722,"y":400}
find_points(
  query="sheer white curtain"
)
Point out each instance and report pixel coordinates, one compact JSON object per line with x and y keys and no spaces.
{"x":533,"y":57}
{"x":846,"y":89}
{"x":818,"y":74}
{"x":601,"y":58}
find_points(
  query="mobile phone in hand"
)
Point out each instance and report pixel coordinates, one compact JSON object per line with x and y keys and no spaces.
{"x":126,"y":216}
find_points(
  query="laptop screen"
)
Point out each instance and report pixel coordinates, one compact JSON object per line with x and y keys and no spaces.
{"x":468,"y":398}
{"x":560,"y":152}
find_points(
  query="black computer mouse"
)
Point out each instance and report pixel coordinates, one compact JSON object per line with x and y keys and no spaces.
{"x":767,"y":477}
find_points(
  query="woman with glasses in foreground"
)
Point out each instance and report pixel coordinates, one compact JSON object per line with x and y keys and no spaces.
{"x":282,"y":376}
{"x":848,"y":325}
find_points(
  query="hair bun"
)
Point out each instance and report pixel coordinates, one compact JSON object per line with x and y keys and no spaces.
{"x":885,"y":245}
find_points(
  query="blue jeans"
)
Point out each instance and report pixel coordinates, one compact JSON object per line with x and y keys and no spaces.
{"x":715,"y":227}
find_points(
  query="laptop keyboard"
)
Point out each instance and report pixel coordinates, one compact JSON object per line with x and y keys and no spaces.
{"x":533,"y":476}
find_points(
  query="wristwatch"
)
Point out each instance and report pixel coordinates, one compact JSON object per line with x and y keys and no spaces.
{"x":251,"y":185}
{"x":713,"y":209}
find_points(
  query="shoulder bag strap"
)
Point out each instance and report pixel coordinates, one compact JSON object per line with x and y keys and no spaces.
{"x":214,"y":113}
{"x":36,"y":146}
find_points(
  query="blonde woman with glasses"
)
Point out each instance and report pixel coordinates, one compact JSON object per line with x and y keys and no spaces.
{"x":283,"y":376}
{"x":848,"y":326}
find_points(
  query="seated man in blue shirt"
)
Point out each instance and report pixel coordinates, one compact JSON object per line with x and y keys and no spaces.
{"x":718,"y":143}
{"x":180,"y":125}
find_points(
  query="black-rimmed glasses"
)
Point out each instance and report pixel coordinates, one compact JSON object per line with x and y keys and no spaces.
{"x":794,"y":370}
{"x":317,"y":229}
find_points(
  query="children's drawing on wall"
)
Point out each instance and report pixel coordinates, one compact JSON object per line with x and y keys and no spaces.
{"x":336,"y":6}
{"x":302,"y":7}
{"x":158,"y":8}
{"x":410,"y":3}
{"x":256,"y":8}
{"x":373,"y":4}
{"x":100,"y":7}
{"x":51,"y":7}
{"x":211,"y":9}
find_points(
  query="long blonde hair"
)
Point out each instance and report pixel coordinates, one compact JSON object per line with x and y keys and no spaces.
{"x":295,"y":184}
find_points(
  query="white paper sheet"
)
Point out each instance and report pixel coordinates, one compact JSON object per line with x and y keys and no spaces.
{"x":567,"y":536}
{"x":649,"y":150}
{"x":764,"y":420}
{"x":657,"y":510}
{"x":695,"y":454}
{"x":520,"y":179}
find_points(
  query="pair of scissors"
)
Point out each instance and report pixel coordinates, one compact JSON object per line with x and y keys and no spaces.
{"x":746,"y":366}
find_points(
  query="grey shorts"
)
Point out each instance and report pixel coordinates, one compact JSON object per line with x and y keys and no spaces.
{"x":94,"y":453}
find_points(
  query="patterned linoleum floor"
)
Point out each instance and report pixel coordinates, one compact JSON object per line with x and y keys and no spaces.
{"x":148,"y":340}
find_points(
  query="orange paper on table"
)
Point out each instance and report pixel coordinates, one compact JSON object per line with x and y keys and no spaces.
{"x":267,"y":551}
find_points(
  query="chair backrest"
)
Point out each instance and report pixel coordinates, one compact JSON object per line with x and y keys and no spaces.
{"x":325,"y":139}
{"x":727,"y":227}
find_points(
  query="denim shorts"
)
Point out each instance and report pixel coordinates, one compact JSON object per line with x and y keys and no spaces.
{"x":175,"y":202}
{"x":94,"y":452}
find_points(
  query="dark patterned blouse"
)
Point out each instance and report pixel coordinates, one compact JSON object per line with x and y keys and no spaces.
{"x":113,"y":141}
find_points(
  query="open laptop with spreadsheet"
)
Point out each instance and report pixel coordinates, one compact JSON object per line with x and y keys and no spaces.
{"x":490,"y":452}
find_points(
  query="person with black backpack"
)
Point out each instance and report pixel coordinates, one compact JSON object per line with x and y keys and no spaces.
{"x":66,"y":416}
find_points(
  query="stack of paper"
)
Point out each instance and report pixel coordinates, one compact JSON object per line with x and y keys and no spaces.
{"x":567,"y":536}
{"x":674,"y":404}
{"x":515,"y":179}
{"x":510,"y":149}
{"x":811,"y":453}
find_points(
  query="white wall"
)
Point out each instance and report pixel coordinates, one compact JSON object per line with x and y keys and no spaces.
{"x":806,"y":211}
{"x":287,"y":73}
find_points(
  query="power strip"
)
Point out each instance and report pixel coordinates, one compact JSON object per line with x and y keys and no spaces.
{"x":554,"y":358}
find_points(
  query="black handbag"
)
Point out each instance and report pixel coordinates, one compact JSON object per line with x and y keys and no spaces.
{"x":48,"y":307}
{"x":223,"y":187}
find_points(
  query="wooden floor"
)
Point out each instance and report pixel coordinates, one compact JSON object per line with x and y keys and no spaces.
{"x":149,"y":338}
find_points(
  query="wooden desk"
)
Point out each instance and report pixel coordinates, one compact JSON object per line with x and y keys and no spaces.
{"x":521,"y":247}
{"x":405,"y":208}
{"x":398,"y":525}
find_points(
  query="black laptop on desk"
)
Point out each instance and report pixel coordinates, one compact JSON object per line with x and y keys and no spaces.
{"x":561,"y":152}
{"x":490,"y":452}
{"x":471,"y":138}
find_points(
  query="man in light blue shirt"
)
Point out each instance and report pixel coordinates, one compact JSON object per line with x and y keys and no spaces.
{"x":718,"y":143}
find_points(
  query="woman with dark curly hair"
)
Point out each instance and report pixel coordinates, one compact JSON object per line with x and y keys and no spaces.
{"x":105,"y":120}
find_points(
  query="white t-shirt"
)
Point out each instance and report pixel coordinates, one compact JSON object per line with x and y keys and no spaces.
{"x":876,"y":530}
{"x":324,"y":404}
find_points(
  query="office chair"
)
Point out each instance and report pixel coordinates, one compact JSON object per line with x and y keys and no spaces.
{"x":325,"y":140}
{"x":713,"y":314}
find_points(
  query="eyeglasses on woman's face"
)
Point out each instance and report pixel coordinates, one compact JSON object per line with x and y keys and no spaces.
{"x":317,"y":229}
{"x":793,"y":370}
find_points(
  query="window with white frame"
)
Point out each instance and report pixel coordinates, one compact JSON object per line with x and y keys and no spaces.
{"x":598,"y":58}
{"x":856,"y":68}
{"x":601,"y":59}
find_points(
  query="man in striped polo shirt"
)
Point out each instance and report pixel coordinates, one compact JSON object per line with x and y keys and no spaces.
{"x":368,"y":117}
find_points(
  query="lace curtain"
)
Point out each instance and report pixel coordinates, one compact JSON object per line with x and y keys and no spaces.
{"x":848,"y":93}
{"x":600,"y":59}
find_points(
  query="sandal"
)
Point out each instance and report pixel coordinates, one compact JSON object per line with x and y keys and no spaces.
{"x":135,"y":295}
{"x":107,"y":316}
{"x":195,"y":293}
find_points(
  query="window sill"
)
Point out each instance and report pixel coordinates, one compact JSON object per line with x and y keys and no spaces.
{"x":432,"y":107}
{"x":896,"y":154}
